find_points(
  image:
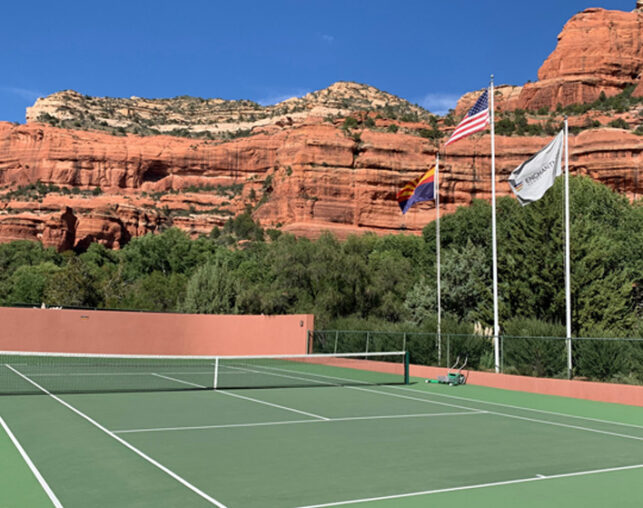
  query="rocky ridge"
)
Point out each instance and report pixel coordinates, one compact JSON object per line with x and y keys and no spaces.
{"x":210,"y":118}
{"x":331,"y":160}
{"x":304,"y":179}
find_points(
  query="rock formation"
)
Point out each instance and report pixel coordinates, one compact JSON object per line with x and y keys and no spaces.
{"x":209,"y":118}
{"x":107,"y":170}
{"x":598,"y":51}
{"x":305,"y":179}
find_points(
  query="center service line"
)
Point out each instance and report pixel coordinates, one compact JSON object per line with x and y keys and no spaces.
{"x":258,"y":401}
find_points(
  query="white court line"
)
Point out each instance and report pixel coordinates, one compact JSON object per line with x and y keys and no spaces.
{"x":34,"y":469}
{"x":123,"y":442}
{"x":524,"y":418}
{"x":428,"y":401}
{"x":139,"y":373}
{"x":246,"y":369}
{"x":360,"y":388}
{"x":295,"y":422}
{"x":258,"y":401}
{"x":493,"y":412}
{"x":535,"y":420}
{"x":523,"y":408}
{"x":177,"y":380}
{"x":308,"y":379}
{"x":478,"y":486}
{"x":366,"y":389}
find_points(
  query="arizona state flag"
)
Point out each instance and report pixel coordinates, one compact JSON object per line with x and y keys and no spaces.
{"x":417,"y":190}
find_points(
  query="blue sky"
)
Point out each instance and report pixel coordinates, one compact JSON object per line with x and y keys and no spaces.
{"x":429,"y":52}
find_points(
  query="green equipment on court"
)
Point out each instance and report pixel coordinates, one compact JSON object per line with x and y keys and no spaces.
{"x":454,"y":375}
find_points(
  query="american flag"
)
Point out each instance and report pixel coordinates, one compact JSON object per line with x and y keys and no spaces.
{"x":475,"y":120}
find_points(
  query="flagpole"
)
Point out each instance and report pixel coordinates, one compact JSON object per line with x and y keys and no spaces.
{"x":437,"y":250}
{"x":568,"y":307}
{"x":496,"y":328}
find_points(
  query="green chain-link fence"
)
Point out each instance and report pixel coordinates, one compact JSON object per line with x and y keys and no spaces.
{"x":603,"y":359}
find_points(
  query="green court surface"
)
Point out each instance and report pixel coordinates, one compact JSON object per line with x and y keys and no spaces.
{"x":301,"y":446}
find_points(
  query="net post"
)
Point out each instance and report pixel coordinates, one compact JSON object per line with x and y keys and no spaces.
{"x":406,"y":367}
{"x":216,"y":373}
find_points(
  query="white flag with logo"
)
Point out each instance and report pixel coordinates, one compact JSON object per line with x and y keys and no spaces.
{"x":532,"y":178}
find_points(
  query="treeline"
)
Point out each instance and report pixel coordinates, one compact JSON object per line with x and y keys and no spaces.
{"x":370,"y":282}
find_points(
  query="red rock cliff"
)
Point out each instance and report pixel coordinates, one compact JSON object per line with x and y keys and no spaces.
{"x":597,"y":51}
{"x":304,"y":179}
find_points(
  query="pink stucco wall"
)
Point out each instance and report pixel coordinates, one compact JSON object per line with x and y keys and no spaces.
{"x":604,"y":392}
{"x":107,"y":332}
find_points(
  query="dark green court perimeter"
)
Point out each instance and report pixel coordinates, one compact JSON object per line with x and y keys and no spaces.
{"x":291,"y":447}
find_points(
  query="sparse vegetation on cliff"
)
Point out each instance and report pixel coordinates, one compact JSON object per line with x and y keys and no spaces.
{"x":36,"y":191}
{"x":215,"y":119}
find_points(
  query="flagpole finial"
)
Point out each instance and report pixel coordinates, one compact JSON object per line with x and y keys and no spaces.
{"x":492,"y":77}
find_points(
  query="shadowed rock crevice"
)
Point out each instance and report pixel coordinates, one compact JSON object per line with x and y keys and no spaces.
{"x":157,"y":170}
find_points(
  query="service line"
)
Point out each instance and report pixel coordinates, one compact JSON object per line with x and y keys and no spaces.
{"x":295,"y":422}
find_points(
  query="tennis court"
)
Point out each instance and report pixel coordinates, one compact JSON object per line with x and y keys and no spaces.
{"x":300,"y":432}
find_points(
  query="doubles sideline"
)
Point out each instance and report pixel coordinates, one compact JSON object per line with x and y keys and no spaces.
{"x":497,"y":413}
{"x":280,"y":373}
{"x":43,"y":483}
{"x":149,"y":459}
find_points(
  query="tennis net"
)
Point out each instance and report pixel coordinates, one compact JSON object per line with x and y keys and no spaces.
{"x":32,"y":373}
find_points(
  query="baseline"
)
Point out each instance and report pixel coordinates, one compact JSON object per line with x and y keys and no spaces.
{"x":477,"y":486}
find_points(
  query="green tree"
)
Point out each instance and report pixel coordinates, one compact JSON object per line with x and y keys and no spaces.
{"x":28,"y":283}
{"x":154,"y":292}
{"x":169,"y":252}
{"x":73,"y":286}
{"x":212,"y":289}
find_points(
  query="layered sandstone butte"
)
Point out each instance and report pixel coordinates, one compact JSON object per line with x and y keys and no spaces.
{"x":107,"y":170}
{"x":597,"y":51}
{"x":209,"y":118}
{"x":304,"y":178}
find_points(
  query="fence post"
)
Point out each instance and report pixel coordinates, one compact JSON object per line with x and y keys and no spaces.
{"x":404,"y":342}
{"x":336,"y":337}
{"x":448,"y":350}
{"x":502,"y":354}
{"x":368,"y":338}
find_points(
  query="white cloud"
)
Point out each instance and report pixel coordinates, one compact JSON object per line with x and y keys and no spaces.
{"x":272,"y":97}
{"x":23,"y":93}
{"x":439,"y":103}
{"x":328,"y":38}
